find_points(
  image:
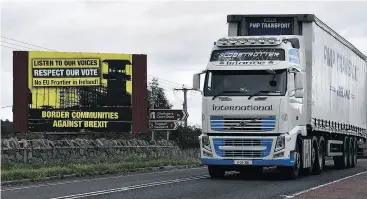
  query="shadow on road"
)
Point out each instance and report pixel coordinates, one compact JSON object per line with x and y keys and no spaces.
{"x":271,"y":174}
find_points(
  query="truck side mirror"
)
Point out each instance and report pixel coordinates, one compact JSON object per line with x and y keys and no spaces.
{"x":196,"y":82}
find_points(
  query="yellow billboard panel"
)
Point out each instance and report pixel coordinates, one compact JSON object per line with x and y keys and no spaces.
{"x":72,"y":79}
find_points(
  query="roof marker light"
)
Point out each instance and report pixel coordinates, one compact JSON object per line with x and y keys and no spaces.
{"x":262,"y":40}
{"x":252,"y":40}
{"x":243,"y":41}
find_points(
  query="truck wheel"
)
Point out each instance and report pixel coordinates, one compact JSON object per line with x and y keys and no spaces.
{"x":216,"y":172}
{"x":354,"y":151}
{"x":350,"y":152}
{"x":293,"y":172}
{"x":320,"y":157}
{"x":309,"y":171}
{"x":341,"y":162}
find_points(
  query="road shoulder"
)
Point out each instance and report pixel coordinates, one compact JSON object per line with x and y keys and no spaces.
{"x":61,"y":178}
{"x":353,"y":187}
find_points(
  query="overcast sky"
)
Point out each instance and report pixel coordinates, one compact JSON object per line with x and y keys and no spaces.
{"x":176,"y":36}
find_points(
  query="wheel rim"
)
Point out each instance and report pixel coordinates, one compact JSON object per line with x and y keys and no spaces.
{"x":313,"y":154}
{"x":298,"y":162}
{"x":355,"y":155}
{"x":321,"y":155}
{"x":350,"y":155}
{"x":345,"y":156}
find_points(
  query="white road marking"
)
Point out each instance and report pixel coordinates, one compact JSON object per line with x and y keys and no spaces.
{"x":323,"y":185}
{"x":133,"y":187}
{"x":95,"y":179}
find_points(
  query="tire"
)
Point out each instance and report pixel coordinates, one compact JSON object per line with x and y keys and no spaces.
{"x":292,"y":173}
{"x":341,"y":162}
{"x":350,"y":152}
{"x":309,"y":171}
{"x":320,"y":157}
{"x":216,"y":172}
{"x":354,"y":151}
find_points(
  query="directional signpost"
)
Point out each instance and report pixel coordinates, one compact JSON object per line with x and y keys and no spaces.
{"x":167,"y":115}
{"x":166,"y":119}
{"x":163,"y":126}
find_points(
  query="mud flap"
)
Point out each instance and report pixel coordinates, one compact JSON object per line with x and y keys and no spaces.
{"x":306,"y":153}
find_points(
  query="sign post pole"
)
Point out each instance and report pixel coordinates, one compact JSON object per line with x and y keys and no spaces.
{"x":152,"y":135}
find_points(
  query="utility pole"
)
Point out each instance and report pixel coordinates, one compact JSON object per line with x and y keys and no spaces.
{"x":184,"y":105}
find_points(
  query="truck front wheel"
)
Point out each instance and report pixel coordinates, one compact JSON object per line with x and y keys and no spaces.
{"x":293,"y":172}
{"x":216,"y":172}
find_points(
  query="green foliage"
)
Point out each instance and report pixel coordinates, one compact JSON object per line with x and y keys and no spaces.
{"x":37,"y":172}
{"x":187,"y":137}
{"x":156,"y":96}
{"x":6,"y":128}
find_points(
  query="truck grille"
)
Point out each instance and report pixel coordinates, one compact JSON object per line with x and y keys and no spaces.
{"x":218,"y":142}
{"x":258,"y":124}
{"x":252,"y":154}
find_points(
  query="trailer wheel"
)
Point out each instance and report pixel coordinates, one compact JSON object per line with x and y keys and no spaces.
{"x":350,"y":152}
{"x":341,"y":162}
{"x":216,"y":172}
{"x":354,"y":151}
{"x":320,"y":157}
{"x":309,"y":171}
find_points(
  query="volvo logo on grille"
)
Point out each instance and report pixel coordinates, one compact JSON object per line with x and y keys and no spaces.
{"x":244,"y":123}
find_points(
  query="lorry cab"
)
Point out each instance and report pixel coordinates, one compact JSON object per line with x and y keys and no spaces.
{"x":260,"y":86}
{"x":252,"y":97}
{"x":250,"y":77}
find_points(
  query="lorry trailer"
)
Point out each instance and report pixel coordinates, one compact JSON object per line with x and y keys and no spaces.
{"x":283,"y":91}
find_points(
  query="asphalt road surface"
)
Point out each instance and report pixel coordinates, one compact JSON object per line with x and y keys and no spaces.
{"x":188,"y":183}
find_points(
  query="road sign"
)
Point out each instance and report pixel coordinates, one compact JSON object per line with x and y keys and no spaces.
{"x":167,"y":115}
{"x":163,"y":126}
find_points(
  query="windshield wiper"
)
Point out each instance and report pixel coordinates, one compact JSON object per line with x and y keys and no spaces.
{"x":222,"y":92}
{"x":259,"y":92}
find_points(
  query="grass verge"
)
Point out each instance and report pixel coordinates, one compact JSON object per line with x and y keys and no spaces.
{"x":39,"y":172}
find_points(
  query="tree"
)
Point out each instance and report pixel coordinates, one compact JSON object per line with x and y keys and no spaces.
{"x":187,"y":137}
{"x":6,"y":128}
{"x":156,"y":97}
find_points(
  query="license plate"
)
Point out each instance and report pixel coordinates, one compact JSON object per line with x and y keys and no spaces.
{"x":243,"y":162}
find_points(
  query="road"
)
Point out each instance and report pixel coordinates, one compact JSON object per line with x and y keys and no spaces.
{"x":188,"y":183}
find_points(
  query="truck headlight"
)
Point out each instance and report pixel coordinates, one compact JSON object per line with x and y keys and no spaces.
{"x":205,"y":141}
{"x":280,"y":144}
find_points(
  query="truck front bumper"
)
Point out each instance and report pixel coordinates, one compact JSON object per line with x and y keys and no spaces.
{"x":256,"y":162}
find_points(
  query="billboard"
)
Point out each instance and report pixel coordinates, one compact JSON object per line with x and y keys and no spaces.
{"x":73,"y":92}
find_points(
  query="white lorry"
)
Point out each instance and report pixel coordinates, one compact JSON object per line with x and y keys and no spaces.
{"x":284,"y":91}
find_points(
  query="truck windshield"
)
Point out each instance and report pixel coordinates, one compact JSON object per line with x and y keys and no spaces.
{"x":245,"y":83}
